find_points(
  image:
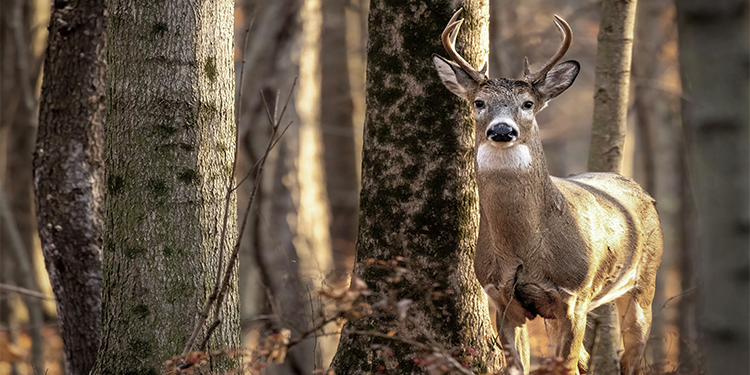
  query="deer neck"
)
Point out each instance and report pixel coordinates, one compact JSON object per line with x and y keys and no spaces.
{"x":516,"y":193}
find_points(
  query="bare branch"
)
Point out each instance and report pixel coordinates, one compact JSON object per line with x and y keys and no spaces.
{"x":28,"y":292}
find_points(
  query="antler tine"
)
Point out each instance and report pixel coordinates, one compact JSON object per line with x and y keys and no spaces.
{"x":449,"y":40}
{"x":566,"y":38}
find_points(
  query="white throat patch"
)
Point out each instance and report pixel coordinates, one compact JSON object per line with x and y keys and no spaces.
{"x":490,"y":157}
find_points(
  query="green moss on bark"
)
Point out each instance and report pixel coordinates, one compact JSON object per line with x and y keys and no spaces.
{"x":418,"y":195}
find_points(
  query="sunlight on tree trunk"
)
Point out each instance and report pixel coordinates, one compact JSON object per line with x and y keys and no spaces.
{"x":612,"y":87}
{"x":169,"y":144}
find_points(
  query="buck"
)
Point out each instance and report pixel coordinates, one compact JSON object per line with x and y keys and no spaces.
{"x":551,"y":247}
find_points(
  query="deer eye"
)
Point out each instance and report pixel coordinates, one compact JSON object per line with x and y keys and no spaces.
{"x":528,"y":105}
{"x":479,"y":103}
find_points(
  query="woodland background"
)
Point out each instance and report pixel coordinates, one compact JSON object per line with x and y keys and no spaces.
{"x":301,"y":236}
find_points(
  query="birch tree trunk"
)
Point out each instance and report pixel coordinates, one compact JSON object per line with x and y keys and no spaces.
{"x":714,"y":56}
{"x":69,"y":175}
{"x":169,"y":144}
{"x":612,"y":85}
{"x":611,"y":90}
{"x":419,"y":204}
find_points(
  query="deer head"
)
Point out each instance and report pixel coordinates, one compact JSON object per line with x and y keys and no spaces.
{"x":505,"y":109}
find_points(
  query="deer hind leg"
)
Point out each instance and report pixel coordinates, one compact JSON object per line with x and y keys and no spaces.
{"x":635,"y":320}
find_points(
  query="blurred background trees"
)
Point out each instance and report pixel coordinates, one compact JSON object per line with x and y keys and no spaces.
{"x":301,"y":235}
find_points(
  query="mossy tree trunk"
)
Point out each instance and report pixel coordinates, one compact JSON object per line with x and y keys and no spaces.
{"x":419,"y":204}
{"x":714,"y":56}
{"x":69,"y":175}
{"x":169,"y":146}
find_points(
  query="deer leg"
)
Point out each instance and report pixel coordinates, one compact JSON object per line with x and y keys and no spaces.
{"x":635,"y":321}
{"x":510,"y":325}
{"x":571,"y":329}
{"x":514,"y":339}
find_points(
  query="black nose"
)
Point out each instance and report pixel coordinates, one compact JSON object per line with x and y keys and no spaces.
{"x":502,"y":132}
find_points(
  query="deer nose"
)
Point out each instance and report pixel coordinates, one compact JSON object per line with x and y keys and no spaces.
{"x":502,"y":132}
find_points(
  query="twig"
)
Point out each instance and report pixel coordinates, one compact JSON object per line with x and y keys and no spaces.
{"x":218,"y":298}
{"x":28,"y":292}
{"x":315,"y":329}
{"x":230,"y":190}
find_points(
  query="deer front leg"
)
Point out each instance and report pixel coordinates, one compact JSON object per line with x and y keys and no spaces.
{"x":514,"y":339}
{"x":510,"y":325}
{"x":570,"y":330}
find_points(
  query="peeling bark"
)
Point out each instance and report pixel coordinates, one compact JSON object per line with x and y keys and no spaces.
{"x":419,"y":204}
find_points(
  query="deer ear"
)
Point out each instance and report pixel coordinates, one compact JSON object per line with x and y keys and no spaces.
{"x":454,"y":78}
{"x":558,"y":79}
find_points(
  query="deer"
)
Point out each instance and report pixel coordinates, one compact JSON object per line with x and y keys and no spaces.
{"x":548,"y":246}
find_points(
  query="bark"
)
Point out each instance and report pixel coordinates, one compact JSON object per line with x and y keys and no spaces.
{"x":419,"y":204}
{"x":605,"y":359}
{"x":612,"y":85}
{"x":68,"y":174}
{"x":169,"y":144}
{"x":714,"y":54}
{"x":657,"y":148}
{"x":611,"y":89}
{"x":337,"y":123}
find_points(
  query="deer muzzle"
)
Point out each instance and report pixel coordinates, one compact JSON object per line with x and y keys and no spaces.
{"x":502,"y":132}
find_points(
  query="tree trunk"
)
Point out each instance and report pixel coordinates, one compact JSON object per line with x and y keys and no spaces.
{"x":605,"y":349}
{"x":659,"y":146}
{"x":612,"y":85}
{"x":611,"y":89}
{"x":275,"y":32}
{"x":169,"y":144}
{"x":714,"y":55}
{"x":290,"y":236}
{"x":337,"y":124}
{"x":18,"y":17}
{"x":419,"y":205}
{"x":68,"y":175}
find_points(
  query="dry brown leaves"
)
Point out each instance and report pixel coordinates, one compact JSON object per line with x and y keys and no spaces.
{"x":553,"y":366}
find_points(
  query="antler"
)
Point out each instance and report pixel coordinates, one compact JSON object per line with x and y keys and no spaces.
{"x":566,"y":36}
{"x":449,"y":41}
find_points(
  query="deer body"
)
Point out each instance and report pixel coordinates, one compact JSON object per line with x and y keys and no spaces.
{"x":548,"y":246}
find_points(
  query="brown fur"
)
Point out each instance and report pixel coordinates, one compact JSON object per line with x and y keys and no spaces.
{"x":550,"y":246}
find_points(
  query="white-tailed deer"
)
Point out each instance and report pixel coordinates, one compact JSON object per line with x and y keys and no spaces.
{"x":548,"y":246}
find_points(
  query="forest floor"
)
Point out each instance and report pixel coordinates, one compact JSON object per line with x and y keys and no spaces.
{"x":17,"y":353}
